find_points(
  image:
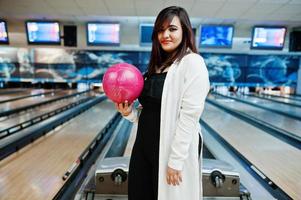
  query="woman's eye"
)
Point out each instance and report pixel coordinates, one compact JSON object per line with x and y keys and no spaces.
{"x":172,"y":29}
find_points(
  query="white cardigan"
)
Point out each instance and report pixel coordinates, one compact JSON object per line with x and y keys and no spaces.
{"x":184,"y":92}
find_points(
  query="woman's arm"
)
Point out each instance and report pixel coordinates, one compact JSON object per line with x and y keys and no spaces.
{"x":196,"y":87}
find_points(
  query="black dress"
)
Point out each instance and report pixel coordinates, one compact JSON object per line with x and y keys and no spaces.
{"x":144,"y":163}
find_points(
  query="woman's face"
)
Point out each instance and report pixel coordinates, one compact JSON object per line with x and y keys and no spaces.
{"x":170,"y":37}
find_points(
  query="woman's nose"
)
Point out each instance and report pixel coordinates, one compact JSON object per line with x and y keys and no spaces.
{"x":166,"y":34}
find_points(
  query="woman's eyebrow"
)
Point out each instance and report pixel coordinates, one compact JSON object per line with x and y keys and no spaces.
{"x":172,"y":25}
{"x":169,"y":26}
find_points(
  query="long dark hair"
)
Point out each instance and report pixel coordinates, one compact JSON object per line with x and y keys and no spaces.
{"x":159,"y":58}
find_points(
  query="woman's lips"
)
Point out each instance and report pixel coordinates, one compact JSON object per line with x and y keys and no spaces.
{"x":165,"y":42}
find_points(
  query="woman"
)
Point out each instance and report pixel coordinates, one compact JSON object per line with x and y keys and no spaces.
{"x":164,"y":162}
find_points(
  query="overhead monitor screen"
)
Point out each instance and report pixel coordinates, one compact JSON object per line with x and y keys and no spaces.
{"x":3,"y":33}
{"x":43,"y":32}
{"x":268,"y":37}
{"x":103,"y":34}
{"x":219,"y":36}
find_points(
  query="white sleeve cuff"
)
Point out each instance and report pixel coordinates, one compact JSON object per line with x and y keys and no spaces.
{"x":175,"y":164}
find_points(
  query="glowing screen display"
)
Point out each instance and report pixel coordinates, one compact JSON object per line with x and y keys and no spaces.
{"x":43,"y":32}
{"x":103,"y":34}
{"x":3,"y":33}
{"x":216,"y":36}
{"x":268,"y":37}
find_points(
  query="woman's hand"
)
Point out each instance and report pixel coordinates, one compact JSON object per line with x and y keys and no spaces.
{"x":124,"y":108}
{"x":173,"y":176}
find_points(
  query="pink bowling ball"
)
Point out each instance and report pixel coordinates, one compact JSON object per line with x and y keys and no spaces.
{"x":122,"y":82}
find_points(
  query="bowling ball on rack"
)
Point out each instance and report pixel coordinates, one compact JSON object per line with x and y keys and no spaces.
{"x":122,"y":82}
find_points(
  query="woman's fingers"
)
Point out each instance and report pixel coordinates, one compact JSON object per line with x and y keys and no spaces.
{"x":176,"y":179}
{"x":168,"y":180}
{"x":180,"y":177}
{"x":126,"y":105}
{"x":131,"y":106}
{"x":173,"y":178}
{"x":124,"y":108}
{"x":119,"y":107}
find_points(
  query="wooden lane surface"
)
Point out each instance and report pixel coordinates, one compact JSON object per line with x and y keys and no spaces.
{"x":287,"y":96}
{"x":279,"y":161}
{"x":21,"y":94}
{"x":14,"y":94}
{"x":38,"y":109}
{"x":17,"y":119}
{"x":284,"y":100}
{"x":280,"y":121}
{"x":5,"y":91}
{"x":272,"y":105}
{"x":33,"y":100}
{"x":35,"y":173}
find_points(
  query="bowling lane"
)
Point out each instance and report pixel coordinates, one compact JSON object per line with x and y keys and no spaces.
{"x":279,"y":161}
{"x":23,"y":94}
{"x":293,"y":97}
{"x":270,"y":105}
{"x":5,"y":91}
{"x":35,"y":172}
{"x":280,"y":121}
{"x":33,"y":100}
{"x":17,"y":119}
{"x":283,"y":100}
